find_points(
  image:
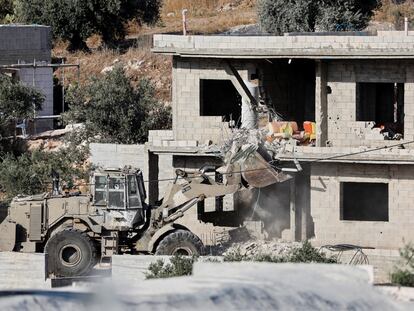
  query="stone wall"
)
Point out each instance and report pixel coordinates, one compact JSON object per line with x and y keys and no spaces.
{"x":326,"y":205}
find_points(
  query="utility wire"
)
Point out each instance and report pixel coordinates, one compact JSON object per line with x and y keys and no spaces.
{"x":313,"y":161}
{"x":275,"y":167}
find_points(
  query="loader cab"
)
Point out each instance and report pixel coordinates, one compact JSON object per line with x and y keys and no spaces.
{"x":118,"y":190}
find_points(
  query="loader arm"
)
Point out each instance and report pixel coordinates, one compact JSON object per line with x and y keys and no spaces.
{"x":180,"y":197}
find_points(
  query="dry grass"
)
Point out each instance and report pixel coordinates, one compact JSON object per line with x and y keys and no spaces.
{"x":157,"y":68}
{"x":203,"y":7}
{"x":394,"y":13}
{"x":195,"y":7}
{"x":205,"y":17}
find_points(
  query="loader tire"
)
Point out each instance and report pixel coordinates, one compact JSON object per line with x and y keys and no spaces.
{"x":70,"y":253}
{"x":180,"y":242}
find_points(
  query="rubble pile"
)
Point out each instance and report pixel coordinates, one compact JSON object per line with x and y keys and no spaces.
{"x":253,"y":249}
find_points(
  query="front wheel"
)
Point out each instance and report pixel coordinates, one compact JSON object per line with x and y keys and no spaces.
{"x":70,"y":253}
{"x":180,"y":242}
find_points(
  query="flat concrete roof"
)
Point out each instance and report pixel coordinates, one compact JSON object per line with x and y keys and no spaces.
{"x":384,"y":45}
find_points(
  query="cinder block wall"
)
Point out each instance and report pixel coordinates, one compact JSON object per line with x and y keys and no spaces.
{"x":41,"y":79}
{"x":187,"y":122}
{"x":343,"y":129}
{"x":25,"y":43}
{"x":325,"y":205}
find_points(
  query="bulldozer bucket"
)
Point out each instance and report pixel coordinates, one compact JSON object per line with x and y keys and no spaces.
{"x":7,"y":236}
{"x":259,"y":173}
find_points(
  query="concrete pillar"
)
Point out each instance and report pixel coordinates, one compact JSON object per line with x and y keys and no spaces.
{"x":321,"y":102}
{"x":303,"y":203}
{"x":249,"y":114}
{"x":153,"y":173}
{"x":293,"y":209}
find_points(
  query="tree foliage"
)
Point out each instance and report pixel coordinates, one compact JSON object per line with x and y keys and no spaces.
{"x":30,"y":173}
{"x":6,"y":10}
{"x":17,"y":101}
{"x":75,"y":20}
{"x":280,"y":16}
{"x":113,"y":111}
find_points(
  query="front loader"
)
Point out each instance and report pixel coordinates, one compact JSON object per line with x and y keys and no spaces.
{"x":78,"y":230}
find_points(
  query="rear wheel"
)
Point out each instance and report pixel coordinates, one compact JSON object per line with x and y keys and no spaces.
{"x":180,"y":242}
{"x":70,"y":253}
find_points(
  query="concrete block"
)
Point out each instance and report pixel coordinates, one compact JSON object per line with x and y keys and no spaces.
{"x":22,"y":271}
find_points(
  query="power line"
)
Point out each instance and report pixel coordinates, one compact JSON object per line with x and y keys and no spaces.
{"x":314,"y":161}
{"x":275,"y":167}
{"x":362,"y":152}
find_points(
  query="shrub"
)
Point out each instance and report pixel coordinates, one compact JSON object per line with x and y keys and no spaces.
{"x":304,"y":254}
{"x":178,"y":266}
{"x":113,"y":111}
{"x":403,"y":274}
{"x":75,"y":21}
{"x":307,"y":254}
{"x":402,"y":278}
{"x":279,"y":16}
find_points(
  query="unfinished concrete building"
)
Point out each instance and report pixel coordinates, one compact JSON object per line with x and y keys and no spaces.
{"x":357,"y":90}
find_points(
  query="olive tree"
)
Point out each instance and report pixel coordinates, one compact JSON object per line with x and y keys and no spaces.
{"x":279,"y":16}
{"x":76,"y":20}
{"x":114,"y":111}
{"x":6,"y":9}
{"x":17,"y":101}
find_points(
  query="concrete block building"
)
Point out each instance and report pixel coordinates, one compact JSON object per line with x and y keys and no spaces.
{"x":24,"y":45}
{"x":358,"y":88}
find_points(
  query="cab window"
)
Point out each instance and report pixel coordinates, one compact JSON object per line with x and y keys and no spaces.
{"x":100,"y":190}
{"x":133,"y":193}
{"x":116,"y":192}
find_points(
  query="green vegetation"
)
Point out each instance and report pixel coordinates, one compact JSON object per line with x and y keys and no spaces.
{"x":178,"y":266}
{"x":280,"y":16}
{"x":404,"y":273}
{"x":75,"y":21}
{"x":30,"y":172}
{"x":17,"y":102}
{"x":6,"y":10}
{"x":113,"y":111}
{"x":304,"y":254}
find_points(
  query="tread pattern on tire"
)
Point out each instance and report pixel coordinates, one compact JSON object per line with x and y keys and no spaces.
{"x":178,"y":237}
{"x":55,"y":238}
